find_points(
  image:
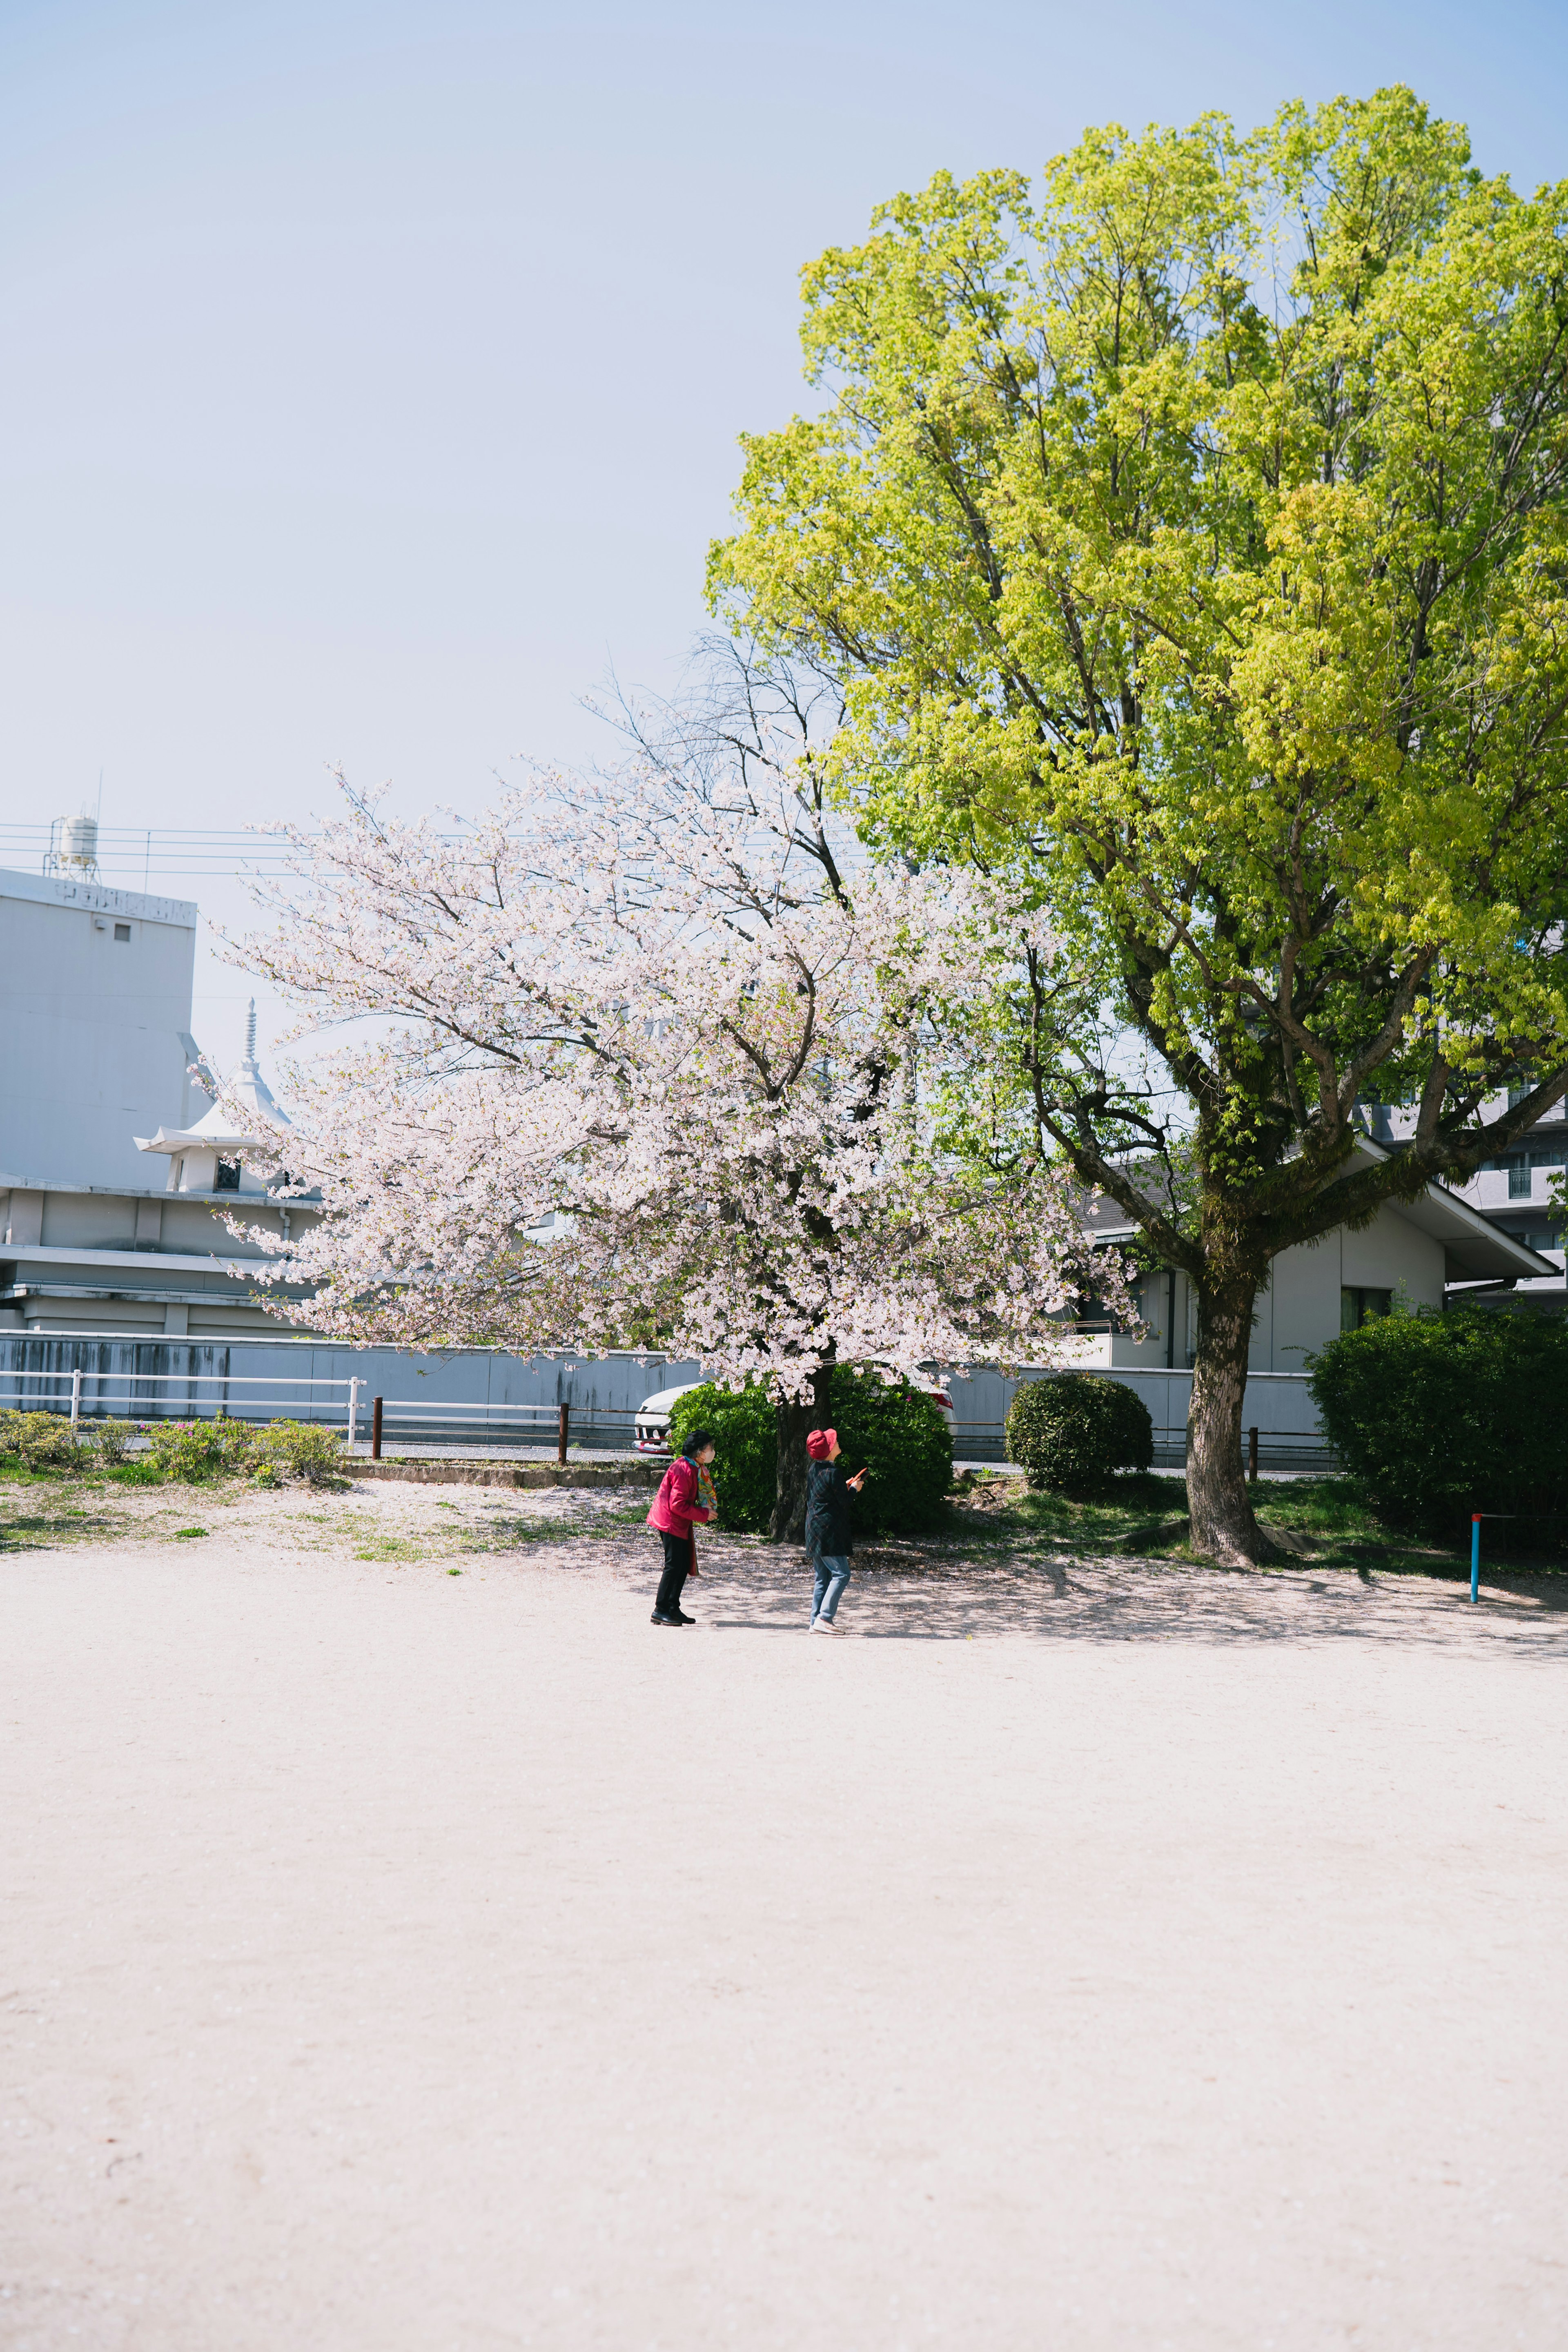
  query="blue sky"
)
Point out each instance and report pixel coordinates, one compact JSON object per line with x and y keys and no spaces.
{"x":375,"y":371}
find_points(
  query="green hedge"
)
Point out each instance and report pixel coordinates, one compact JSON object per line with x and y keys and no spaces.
{"x":182,"y":1452}
{"x":1074,"y":1430}
{"x":1440,"y":1415}
{"x":744,"y":1468}
{"x":893,"y":1430}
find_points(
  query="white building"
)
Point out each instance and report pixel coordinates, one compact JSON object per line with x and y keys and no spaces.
{"x":104,"y":1229}
{"x":1413,"y":1251}
{"x":1416,"y":1253}
{"x":95,"y":1020}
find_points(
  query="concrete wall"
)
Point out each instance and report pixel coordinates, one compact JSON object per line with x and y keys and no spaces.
{"x":91,"y":1049}
{"x":74,"y":1260}
{"x":270,"y":1379}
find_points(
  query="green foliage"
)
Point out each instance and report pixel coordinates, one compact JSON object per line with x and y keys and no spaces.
{"x":194,"y":1451}
{"x":39,"y":1441}
{"x":302,"y":1450}
{"x":907,"y":1444}
{"x":892,"y":1429}
{"x":1189,"y":537}
{"x":1073,"y":1432}
{"x":745,"y":1428}
{"x":190,"y":1452}
{"x":110,"y":1441}
{"x":1440,"y":1415}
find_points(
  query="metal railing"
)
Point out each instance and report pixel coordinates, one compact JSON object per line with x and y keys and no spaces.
{"x":411,"y":1419}
{"x":419,"y":1411}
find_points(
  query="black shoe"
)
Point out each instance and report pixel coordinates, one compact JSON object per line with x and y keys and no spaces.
{"x":657,"y":1620}
{"x":683,"y":1619}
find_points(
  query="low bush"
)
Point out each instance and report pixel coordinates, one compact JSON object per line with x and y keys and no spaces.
{"x":193,"y":1450}
{"x":745,"y":1432}
{"x":110,"y":1440}
{"x":39,"y":1441}
{"x":888,"y":1427}
{"x":298,"y":1449}
{"x":1073,"y":1432}
{"x":1442,"y":1414}
{"x":905,"y":1442}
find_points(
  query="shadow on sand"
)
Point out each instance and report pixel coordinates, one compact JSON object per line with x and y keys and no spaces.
{"x":1076,"y":1599}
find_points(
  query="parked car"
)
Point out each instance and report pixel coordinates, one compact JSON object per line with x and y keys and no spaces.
{"x":650,"y":1424}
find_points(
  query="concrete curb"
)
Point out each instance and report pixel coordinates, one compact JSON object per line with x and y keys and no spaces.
{"x":511,"y":1473}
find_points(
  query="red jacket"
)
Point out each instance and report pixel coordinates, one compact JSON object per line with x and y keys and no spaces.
{"x":676,"y":1505}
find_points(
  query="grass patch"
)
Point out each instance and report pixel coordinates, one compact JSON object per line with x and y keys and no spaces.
{"x":186,"y":1535}
{"x":1322,"y":1522}
{"x":394,"y":1548}
{"x":1003,"y":1514}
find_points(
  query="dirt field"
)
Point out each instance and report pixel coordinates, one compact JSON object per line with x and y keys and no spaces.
{"x":1074,"y":1955}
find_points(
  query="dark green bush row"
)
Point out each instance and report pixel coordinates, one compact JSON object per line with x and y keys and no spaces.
{"x":1073,"y":1432}
{"x":1442,"y":1414}
{"x":892,"y":1429}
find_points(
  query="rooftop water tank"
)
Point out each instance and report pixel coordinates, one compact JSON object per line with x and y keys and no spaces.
{"x":79,"y":841}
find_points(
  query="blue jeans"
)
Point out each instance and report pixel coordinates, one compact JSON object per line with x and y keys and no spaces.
{"x":833,"y":1575}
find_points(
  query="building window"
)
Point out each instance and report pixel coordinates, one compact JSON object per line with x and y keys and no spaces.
{"x":123,"y":931}
{"x":1535,"y":1237}
{"x":227,"y":1177}
{"x":1518,"y":1177}
{"x":1357,"y":1305}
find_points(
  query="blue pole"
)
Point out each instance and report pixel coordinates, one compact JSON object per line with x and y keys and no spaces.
{"x":1474,"y":1555}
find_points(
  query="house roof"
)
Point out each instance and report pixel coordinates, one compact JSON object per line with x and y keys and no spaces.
{"x":1476,"y":1249}
{"x":218,"y":1129}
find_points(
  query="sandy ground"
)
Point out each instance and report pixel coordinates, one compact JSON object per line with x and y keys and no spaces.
{"x":1117,"y":1956}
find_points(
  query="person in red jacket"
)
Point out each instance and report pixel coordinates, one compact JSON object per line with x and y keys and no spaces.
{"x":676,"y":1507}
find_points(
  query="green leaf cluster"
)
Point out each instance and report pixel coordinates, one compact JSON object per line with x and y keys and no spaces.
{"x":1442,"y":1415}
{"x":1075,"y":1431}
{"x":889,"y":1427}
{"x":1190,"y":535}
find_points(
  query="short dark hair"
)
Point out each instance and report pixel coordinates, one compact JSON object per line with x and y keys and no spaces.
{"x":697,"y":1441}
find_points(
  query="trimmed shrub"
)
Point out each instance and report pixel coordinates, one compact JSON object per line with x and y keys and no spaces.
{"x":109,"y":1439}
{"x":889,"y":1428}
{"x":1075,"y":1430}
{"x":746,"y":1467}
{"x":905,"y":1442}
{"x":39,"y":1441}
{"x":192,"y":1451}
{"x":298,"y":1449}
{"x":1442,"y":1414}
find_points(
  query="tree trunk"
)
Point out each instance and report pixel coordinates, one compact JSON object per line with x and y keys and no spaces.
{"x":1223,"y":1526}
{"x":788,"y":1524}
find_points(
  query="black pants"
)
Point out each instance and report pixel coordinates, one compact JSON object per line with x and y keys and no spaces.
{"x":677,"y":1568}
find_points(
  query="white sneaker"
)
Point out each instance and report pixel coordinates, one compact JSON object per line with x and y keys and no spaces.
{"x":824,"y":1625}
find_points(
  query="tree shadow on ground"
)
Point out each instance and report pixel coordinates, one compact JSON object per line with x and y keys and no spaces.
{"x":1098,"y":1600}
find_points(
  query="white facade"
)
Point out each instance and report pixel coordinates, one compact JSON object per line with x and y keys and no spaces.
{"x":1411,"y":1253}
{"x":99,"y":1231}
{"x":95,"y":1019}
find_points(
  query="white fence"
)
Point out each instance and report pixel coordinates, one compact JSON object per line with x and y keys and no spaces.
{"x":484,"y":1397}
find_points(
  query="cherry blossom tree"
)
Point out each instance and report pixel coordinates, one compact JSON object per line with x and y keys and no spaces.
{"x":660,"y":1059}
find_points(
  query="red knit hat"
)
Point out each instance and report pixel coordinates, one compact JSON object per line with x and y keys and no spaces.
{"x":820,"y":1443}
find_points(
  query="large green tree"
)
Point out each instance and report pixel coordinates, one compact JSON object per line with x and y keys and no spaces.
{"x":1193,"y":538}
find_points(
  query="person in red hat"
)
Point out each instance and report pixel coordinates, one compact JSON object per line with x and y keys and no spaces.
{"x":830,"y":1536}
